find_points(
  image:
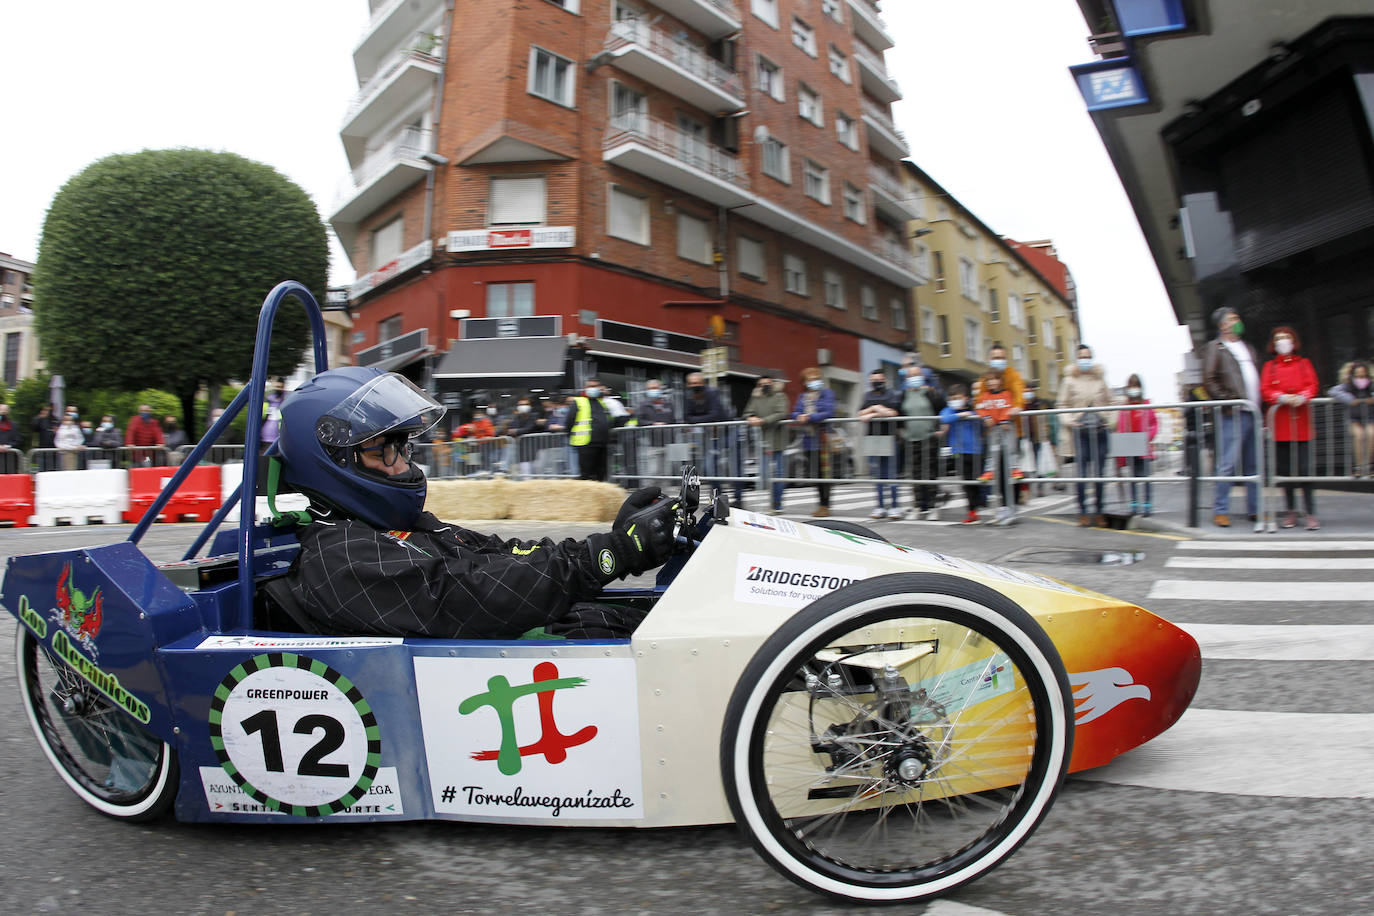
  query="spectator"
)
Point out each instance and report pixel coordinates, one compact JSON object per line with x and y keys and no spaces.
{"x":995,"y":405}
{"x":69,"y":440}
{"x":1138,"y":421}
{"x":594,"y":415}
{"x":524,"y":422}
{"x":108,"y":438}
{"x":173,"y":436}
{"x":922,"y":434}
{"x":964,"y":431}
{"x":703,"y":405}
{"x":656,"y":409}
{"x":43,"y":428}
{"x":1288,"y":383}
{"x":1230,"y":372}
{"x":881,"y":403}
{"x":815,"y":405}
{"x":143,"y":430}
{"x":1085,"y":386}
{"x":9,"y":442}
{"x":1037,"y":434}
{"x":1355,"y":393}
{"x":87,"y":431}
{"x":765,"y":411}
{"x":439,"y":449}
{"x":271,"y":413}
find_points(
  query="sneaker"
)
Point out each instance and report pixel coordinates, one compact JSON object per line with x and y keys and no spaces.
{"x":1290,"y":520}
{"x":1147,"y":509}
{"x":821,"y":512}
{"x":911,"y":513}
{"x":894,"y":512}
{"x":1017,"y":474}
{"x":1005,"y":516}
{"x":1313,"y":524}
{"x":985,"y":477}
{"x":879,"y":512}
{"x":932,"y":515}
{"x":971,"y":518}
{"x":1221,"y":521}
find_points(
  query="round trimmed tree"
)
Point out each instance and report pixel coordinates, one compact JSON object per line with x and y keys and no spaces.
{"x":152,"y":268}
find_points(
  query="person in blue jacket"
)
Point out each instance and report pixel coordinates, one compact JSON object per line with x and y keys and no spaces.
{"x":965,"y":439}
{"x":815,"y":405}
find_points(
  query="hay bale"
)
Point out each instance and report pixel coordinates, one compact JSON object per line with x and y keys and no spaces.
{"x":528,"y":500}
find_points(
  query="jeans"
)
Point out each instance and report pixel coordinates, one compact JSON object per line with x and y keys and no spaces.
{"x":1090,"y":453}
{"x":1140,"y":467}
{"x":880,"y":466}
{"x":1235,"y":455}
{"x":776,"y":462}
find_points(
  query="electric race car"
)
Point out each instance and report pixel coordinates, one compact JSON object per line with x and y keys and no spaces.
{"x":884,"y":722}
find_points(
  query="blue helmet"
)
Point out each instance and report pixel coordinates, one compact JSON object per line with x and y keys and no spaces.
{"x":324,"y":421}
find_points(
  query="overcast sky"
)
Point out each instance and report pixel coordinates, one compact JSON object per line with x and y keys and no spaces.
{"x":990,"y":112}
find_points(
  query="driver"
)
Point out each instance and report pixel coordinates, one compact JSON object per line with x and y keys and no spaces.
{"x":372,"y":561}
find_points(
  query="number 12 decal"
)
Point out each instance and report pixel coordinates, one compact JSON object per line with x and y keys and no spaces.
{"x":310,"y":765}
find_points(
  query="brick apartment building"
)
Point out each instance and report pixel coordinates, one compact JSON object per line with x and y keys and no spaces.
{"x":545,"y":189}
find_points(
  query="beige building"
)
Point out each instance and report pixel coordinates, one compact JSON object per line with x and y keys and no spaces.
{"x":19,"y":357}
{"x":986,"y":289}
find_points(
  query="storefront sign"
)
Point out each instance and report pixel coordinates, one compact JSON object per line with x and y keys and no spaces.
{"x":408,"y":259}
{"x":1107,"y":84}
{"x":1150,"y":17}
{"x":501,"y":239}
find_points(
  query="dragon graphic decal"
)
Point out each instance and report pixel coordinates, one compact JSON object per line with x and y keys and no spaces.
{"x":76,"y":613}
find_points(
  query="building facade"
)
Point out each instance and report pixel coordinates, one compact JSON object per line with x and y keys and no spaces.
{"x":668,"y":185}
{"x":18,"y":342}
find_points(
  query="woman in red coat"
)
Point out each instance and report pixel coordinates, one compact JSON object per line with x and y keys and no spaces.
{"x":1287,"y":384}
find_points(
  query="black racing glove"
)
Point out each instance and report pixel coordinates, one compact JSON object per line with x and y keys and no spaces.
{"x":639,"y":499}
{"x":640,"y":541}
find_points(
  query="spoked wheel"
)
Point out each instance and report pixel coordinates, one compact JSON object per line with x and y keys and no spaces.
{"x":105,"y":756}
{"x":897,"y":738}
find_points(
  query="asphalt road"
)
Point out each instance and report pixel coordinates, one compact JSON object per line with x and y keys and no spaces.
{"x":1156,"y":835}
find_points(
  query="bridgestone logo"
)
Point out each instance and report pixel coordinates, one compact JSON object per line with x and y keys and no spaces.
{"x":801,"y":580}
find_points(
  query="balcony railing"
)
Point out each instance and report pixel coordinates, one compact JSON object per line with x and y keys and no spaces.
{"x":713,"y":18}
{"x":877,"y":113}
{"x":868,"y":24}
{"x":667,"y":139}
{"x":874,"y":60}
{"x":385,"y":72}
{"x":685,"y":56}
{"x":889,"y":184}
{"x":411,"y":143}
{"x":895,"y":252}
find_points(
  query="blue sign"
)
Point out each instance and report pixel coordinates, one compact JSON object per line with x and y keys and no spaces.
{"x":1150,"y":17}
{"x":1107,"y":84}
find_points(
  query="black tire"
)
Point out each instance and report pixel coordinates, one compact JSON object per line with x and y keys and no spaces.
{"x":101,"y":752}
{"x":860,"y":768}
{"x":839,"y":524}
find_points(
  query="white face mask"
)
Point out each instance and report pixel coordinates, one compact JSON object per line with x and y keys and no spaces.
{"x":655,"y":393}
{"x":1283,"y":346}
{"x":814,"y":384}
{"x":1132,"y":392}
{"x":522,"y":408}
{"x":957,"y":403}
{"x":593,"y":392}
{"x":491,"y":411}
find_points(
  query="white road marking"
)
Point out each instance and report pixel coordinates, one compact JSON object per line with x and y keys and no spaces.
{"x":1249,"y":590}
{"x":1224,"y":750}
{"x":951,"y":908}
{"x":1313,"y":563}
{"x":1298,"y":642}
{"x":1272,"y":546}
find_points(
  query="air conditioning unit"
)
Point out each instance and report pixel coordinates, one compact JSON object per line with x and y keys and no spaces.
{"x":823,"y":356}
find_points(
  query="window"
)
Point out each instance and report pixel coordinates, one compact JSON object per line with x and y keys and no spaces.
{"x":13,"y":342}
{"x":809,"y":105}
{"x":994,"y":310}
{"x":946,"y":349}
{"x":1035,"y":371}
{"x":628,"y":216}
{"x":939,"y":272}
{"x":973,"y":340}
{"x":694,"y":238}
{"x":839,"y":64}
{"x":569,"y":5}
{"x":1015,"y":315}
{"x":817,"y":181}
{"x":1046,"y":332}
{"x":775,"y":160}
{"x":923,"y":259}
{"x":834,"y":289}
{"x":767,"y":10}
{"x":846,"y":130}
{"x":629,"y":108}
{"x":868,"y":303}
{"x":516,"y":202}
{"x":968,"y":281}
{"x":510,"y":300}
{"x":694,"y":145}
{"x":390,"y":329}
{"x":551,"y":76}
{"x":770,"y":78}
{"x":854,"y":203}
{"x":626,"y":12}
{"x":794,"y":274}
{"x":897,"y":306}
{"x":386,"y":242}
{"x":832,"y":9}
{"x":928,"y":326}
{"x":1052,"y":371}
{"x":749,"y":253}
{"x":803,"y":36}
{"x":1018,"y":357}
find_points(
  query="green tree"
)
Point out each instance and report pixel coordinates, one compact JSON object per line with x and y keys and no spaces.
{"x":152,"y":268}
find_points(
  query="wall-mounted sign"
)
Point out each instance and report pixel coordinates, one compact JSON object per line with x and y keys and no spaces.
{"x":413,"y":342}
{"x":1150,"y":17}
{"x":526,"y":326}
{"x":502,"y":239}
{"x":408,"y":259}
{"x":650,"y":337}
{"x":1107,"y":84}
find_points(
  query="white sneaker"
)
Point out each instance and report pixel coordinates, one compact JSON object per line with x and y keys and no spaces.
{"x":894,"y":512}
{"x":878,"y":513}
{"x":933,"y":515}
{"x":1005,"y":516}
{"x":909,"y":514}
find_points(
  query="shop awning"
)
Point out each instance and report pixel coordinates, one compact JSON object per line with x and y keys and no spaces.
{"x":496,"y":362}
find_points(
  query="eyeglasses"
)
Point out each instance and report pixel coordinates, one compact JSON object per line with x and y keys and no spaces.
{"x":392,"y":449}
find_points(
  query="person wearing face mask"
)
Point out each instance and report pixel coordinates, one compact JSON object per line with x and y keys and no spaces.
{"x":1037,"y":436}
{"x":655,"y":408}
{"x":1230,"y":372}
{"x":879,"y":404}
{"x":922,"y":433}
{"x":814,"y":406}
{"x":145,"y":430}
{"x":963,"y":429}
{"x":1085,"y":385}
{"x":765,"y":411}
{"x":1288,"y":384}
{"x":520,"y":453}
{"x":594,"y":415}
{"x":1138,"y":421}
{"x":1357,"y":394}
{"x":703,"y":405}
{"x":9,"y":442}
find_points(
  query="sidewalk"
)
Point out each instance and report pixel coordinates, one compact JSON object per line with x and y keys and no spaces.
{"x":1346,"y":513}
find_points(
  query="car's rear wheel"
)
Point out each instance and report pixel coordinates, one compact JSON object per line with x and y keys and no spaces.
{"x":101,"y":752}
{"x":897,"y":738}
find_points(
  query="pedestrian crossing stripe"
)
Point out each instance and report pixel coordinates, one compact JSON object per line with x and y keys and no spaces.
{"x":1249,"y":590}
{"x":1277,"y":546}
{"x":1284,"y":642}
{"x":1296,"y":563}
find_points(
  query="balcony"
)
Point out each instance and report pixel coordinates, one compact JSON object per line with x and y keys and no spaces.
{"x":883,"y":136}
{"x":889,"y":197}
{"x":391,"y":24}
{"x":873,"y":75}
{"x":404,"y":77}
{"x":652,"y":55}
{"x":712,"y":18}
{"x":381,"y":176}
{"x":868,"y":25}
{"x":658,"y":150}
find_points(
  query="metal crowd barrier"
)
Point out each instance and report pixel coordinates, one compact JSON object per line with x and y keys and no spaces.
{"x":726,"y":454}
{"x":88,"y":458}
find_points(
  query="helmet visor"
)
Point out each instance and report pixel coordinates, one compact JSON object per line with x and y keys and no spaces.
{"x":388,"y":402}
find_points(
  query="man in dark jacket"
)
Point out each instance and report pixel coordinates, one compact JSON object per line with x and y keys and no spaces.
{"x":1231,"y":372}
{"x":766,"y":410}
{"x":880,"y":403}
{"x":703,"y":405}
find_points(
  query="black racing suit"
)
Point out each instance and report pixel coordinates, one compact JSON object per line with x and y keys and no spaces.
{"x":441,"y":580}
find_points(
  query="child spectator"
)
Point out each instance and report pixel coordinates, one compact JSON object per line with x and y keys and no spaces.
{"x":965,"y":437}
{"x":996,"y":406}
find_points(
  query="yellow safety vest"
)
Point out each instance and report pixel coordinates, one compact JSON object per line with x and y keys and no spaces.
{"x":581,"y":432}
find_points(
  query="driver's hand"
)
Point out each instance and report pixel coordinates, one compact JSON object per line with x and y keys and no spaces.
{"x":644,"y":540}
{"x":645,"y":496}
